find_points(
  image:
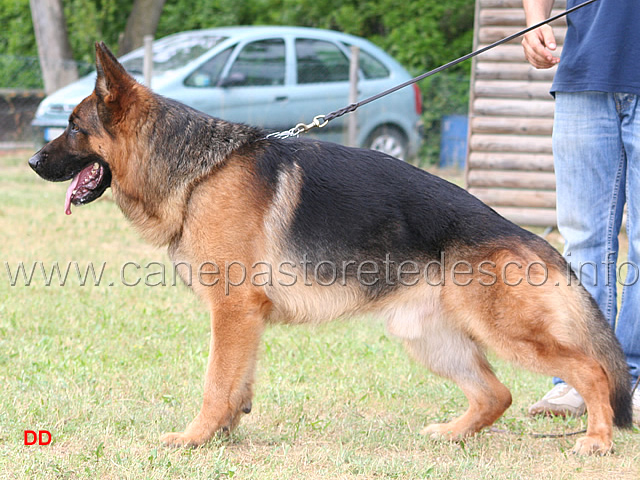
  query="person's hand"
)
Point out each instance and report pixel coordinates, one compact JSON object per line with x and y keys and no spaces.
{"x":538,"y":45}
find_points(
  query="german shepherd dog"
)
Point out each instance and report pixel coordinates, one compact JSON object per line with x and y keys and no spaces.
{"x":291,"y":230}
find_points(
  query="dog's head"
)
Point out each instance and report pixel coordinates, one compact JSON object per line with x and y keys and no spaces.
{"x":86,"y":152}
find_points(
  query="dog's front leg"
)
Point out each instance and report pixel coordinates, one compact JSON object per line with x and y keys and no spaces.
{"x":236,"y":328}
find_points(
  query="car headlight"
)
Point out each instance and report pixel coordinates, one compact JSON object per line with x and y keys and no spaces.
{"x":42,"y":109}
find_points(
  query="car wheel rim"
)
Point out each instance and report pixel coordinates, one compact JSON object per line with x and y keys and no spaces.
{"x":389,"y":145}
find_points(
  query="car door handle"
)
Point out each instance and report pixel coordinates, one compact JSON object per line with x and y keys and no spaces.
{"x":282,"y":98}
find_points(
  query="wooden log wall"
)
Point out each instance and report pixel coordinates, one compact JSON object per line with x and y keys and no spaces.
{"x":510,"y":163}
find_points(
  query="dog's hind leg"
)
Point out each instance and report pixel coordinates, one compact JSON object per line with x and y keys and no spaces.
{"x":577,"y":368}
{"x":555,"y":329}
{"x":452,"y":354}
{"x":553,"y":355}
{"x":587,"y":376}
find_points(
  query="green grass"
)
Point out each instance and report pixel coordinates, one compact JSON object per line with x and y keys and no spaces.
{"x":108,"y":369}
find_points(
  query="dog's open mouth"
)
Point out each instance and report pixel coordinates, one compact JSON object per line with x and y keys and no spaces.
{"x":87,"y":185}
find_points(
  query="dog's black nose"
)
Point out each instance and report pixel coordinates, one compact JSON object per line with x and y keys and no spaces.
{"x":34,"y":162}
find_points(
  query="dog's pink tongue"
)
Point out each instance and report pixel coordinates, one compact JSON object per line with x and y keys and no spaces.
{"x":72,"y":187}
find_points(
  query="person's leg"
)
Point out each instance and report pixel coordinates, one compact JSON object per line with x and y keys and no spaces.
{"x":628,"y":323}
{"x":590,"y":167}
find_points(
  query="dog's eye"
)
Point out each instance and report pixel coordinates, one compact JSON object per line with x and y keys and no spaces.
{"x":73,"y":126}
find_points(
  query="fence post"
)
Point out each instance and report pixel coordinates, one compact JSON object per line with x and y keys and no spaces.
{"x":148,"y":60}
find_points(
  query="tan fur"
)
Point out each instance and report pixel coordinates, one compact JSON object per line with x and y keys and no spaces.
{"x":210,"y":233}
{"x":283,"y":206}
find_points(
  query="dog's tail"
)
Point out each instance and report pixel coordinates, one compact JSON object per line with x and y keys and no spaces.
{"x":608,"y":353}
{"x":599,"y":340}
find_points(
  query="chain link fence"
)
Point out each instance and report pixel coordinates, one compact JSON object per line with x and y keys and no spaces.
{"x":21,"y":90}
{"x":20,"y":93}
{"x":17,"y":108}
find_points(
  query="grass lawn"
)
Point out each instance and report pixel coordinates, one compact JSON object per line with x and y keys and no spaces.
{"x":107,"y":369}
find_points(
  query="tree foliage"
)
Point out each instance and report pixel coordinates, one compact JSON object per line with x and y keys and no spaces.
{"x":420,"y":34}
{"x":19,"y":58}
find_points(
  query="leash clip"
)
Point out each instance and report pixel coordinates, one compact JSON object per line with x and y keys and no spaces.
{"x":318,"y":122}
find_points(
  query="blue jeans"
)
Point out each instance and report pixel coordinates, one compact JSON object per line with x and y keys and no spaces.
{"x":596,"y":147}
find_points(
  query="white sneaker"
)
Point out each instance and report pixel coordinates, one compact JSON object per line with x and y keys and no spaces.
{"x":562,"y":400}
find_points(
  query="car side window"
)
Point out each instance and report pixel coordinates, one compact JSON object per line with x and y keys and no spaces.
{"x":208,"y":74}
{"x":370,"y":66}
{"x":258,"y":64}
{"x":320,"y":62}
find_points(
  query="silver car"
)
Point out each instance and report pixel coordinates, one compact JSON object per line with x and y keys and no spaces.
{"x":273,"y":77}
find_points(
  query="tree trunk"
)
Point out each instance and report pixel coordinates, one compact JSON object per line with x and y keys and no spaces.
{"x":54,"y":49}
{"x":143,"y":20}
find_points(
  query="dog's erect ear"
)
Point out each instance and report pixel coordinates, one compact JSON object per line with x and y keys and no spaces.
{"x":114,"y":86}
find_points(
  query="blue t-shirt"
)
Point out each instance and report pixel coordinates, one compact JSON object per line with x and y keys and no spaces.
{"x":602,"y":48}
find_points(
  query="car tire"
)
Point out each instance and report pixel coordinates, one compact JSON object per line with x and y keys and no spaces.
{"x":388,"y":139}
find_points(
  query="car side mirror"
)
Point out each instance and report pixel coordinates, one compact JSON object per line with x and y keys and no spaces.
{"x":235,"y":79}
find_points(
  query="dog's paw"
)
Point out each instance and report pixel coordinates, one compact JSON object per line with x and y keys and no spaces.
{"x":179,"y":439}
{"x":443,"y":431}
{"x":592,"y":446}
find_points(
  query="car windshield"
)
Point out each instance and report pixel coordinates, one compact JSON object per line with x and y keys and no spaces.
{"x":173,"y":53}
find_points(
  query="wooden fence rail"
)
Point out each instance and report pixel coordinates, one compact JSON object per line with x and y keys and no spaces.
{"x":510,"y":162}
